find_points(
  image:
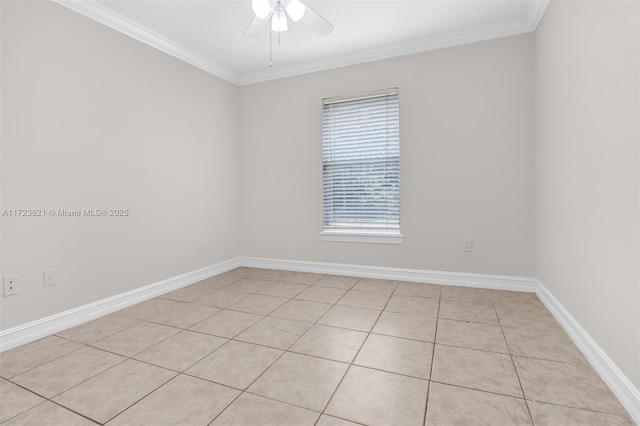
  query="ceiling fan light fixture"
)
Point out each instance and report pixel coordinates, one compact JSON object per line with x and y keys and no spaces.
{"x":295,"y":9}
{"x":279,"y":18}
{"x":262,"y":8}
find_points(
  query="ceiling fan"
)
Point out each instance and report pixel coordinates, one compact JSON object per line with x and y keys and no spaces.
{"x":276,"y":12}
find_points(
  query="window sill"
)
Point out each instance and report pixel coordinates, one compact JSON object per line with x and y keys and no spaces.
{"x":362,"y":237}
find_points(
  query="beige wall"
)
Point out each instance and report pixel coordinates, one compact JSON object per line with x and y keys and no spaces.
{"x":466,"y":146}
{"x":587,"y":119}
{"x":92,"y":118}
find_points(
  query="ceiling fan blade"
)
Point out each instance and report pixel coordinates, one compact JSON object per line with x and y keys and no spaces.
{"x":256,"y":27}
{"x":317,"y":23}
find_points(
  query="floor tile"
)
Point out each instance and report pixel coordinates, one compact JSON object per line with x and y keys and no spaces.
{"x":365,"y":299}
{"x":265,"y":274}
{"x":333,"y":421}
{"x":236,"y":274}
{"x":451,"y":405}
{"x":182,"y":401}
{"x":63,"y":373}
{"x":189,"y":293}
{"x":107,"y":394}
{"x":227,"y":323}
{"x":184,"y":315}
{"x":181,"y":351}
{"x":376,"y":286}
{"x":332,"y":343}
{"x":259,"y":304}
{"x":484,"y":337}
{"x":221,"y":298}
{"x":301,"y":310}
{"x":98,"y":329}
{"x":535,"y":319}
{"x":279,"y":289}
{"x":321,"y":294}
{"x":235,"y":364}
{"x":337,"y":281}
{"x":415,"y":327}
{"x":31,"y":355}
{"x":553,"y":415}
{"x":219,"y":282}
{"x":274,"y":332}
{"x":258,"y":411}
{"x":299,"y":277}
{"x":379,"y":398}
{"x":49,"y":414}
{"x":542,"y":344}
{"x":413,"y":305}
{"x":561,"y":383}
{"x":518,"y":301}
{"x":467,"y":311}
{"x":249,"y":285}
{"x":474,"y":381}
{"x":474,"y":369}
{"x":359,"y":319}
{"x":136,"y":339}
{"x":300,"y":380}
{"x":15,"y":400}
{"x":467,"y":294}
{"x":149,"y":309}
{"x":418,"y":290}
{"x":396,"y":355}
{"x":212,"y":284}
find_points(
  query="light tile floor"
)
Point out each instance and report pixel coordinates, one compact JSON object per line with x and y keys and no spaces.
{"x":264,"y":347}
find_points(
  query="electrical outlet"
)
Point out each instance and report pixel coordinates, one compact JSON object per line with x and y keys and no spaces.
{"x":48,"y":278}
{"x":468,"y":246}
{"x":9,"y":286}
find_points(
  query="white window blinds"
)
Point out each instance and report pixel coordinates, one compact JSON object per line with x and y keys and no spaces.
{"x":361,"y":162}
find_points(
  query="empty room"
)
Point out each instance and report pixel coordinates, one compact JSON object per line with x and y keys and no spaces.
{"x":320,"y":212}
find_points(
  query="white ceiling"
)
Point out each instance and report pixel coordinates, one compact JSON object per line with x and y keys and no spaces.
{"x":209,"y":33}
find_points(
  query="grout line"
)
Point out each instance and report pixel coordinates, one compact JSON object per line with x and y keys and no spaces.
{"x":357,"y":352}
{"x":51,"y":360}
{"x":75,"y":412}
{"x":270,"y":365}
{"x":478,"y":390}
{"x":513,"y":362}
{"x":433,"y":359}
{"x":50,"y":399}
{"x":44,"y":402}
{"x":143,"y":397}
{"x":608,"y":413}
{"x":102,"y":317}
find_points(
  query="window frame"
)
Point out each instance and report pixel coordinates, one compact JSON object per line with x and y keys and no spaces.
{"x":375,"y":236}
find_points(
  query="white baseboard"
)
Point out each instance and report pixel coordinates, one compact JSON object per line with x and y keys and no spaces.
{"x":626,"y":392}
{"x":494,"y":282}
{"x":621,"y":386}
{"x":43,"y":327}
{"x":52,"y":324}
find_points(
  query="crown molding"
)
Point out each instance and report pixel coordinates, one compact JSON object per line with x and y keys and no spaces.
{"x":526,"y":25}
{"x":96,"y":11}
{"x":536,"y":12}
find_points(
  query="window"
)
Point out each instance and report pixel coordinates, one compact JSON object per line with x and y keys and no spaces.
{"x":361,"y":167}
